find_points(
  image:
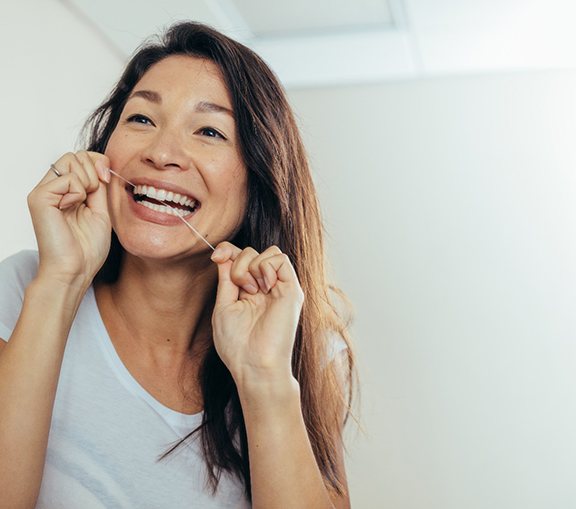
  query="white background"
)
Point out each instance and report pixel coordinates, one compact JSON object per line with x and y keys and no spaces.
{"x":450,"y":205}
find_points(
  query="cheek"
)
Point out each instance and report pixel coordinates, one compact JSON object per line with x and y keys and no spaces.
{"x":235,"y":191}
{"x":237,"y":187}
{"x":116,"y":150}
{"x":227,"y":177}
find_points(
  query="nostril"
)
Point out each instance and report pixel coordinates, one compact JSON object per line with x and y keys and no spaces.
{"x":158,"y":164}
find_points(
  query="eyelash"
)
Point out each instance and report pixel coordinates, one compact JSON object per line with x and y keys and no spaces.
{"x":217,"y":133}
{"x":137,"y":118}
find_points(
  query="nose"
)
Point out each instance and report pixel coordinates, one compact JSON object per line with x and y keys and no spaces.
{"x":165,"y":151}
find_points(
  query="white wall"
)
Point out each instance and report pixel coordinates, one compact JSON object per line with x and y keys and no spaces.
{"x":54,"y":72}
{"x":451,"y":205}
{"x":451,"y":209}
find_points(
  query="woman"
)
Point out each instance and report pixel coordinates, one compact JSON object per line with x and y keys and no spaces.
{"x":143,"y":369}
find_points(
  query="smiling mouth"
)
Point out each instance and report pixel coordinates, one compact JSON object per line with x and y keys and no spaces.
{"x":161,"y":200}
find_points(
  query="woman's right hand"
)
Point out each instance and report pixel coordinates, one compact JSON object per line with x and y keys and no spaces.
{"x":70,"y":218}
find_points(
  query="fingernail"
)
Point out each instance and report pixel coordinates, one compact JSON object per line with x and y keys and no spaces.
{"x":103,"y":173}
{"x":267,"y":284}
{"x":217,"y":253}
{"x":250,"y":288}
{"x":261,"y":284}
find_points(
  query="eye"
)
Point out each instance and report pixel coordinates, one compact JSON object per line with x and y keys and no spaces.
{"x":211,"y":132}
{"x":139,"y":119}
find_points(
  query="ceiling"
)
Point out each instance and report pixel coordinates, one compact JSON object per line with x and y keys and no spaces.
{"x":332,"y":42}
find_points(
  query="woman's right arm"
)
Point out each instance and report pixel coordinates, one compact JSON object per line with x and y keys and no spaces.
{"x":72,"y":228}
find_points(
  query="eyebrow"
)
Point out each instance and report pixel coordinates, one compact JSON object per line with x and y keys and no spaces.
{"x":149,"y":95}
{"x":208,"y":107}
{"x":201,"y":107}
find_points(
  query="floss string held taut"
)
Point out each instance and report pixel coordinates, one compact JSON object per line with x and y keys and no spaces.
{"x":170,"y":207}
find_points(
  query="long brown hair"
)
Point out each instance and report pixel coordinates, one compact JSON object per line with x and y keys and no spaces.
{"x":282,"y":210}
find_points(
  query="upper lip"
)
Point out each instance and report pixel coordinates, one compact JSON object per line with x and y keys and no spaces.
{"x":159,"y":184}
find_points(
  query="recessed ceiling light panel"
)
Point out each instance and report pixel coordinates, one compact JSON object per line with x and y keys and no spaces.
{"x":295,"y":17}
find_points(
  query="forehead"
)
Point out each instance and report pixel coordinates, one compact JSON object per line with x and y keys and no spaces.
{"x":186,"y":75}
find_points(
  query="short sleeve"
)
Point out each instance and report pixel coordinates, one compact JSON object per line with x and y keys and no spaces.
{"x":336,"y":346}
{"x":338,"y":357}
{"x":16,"y":273}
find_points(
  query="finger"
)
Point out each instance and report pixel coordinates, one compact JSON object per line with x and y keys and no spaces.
{"x":73,"y":165}
{"x":52,"y":192}
{"x":94,"y":164}
{"x":241,"y":258}
{"x":227,"y":292}
{"x":225,"y":251}
{"x":240,"y":274}
{"x":259,"y":271}
{"x":103,"y":171}
{"x":98,"y":200}
{"x":270,"y":275}
{"x":102,"y":165}
{"x":74,"y":194}
{"x":61,"y":166}
{"x":70,"y":163}
{"x":71,"y":199}
{"x":89,"y":169}
{"x":224,"y":255}
{"x":284,"y":270}
{"x":90,"y":162}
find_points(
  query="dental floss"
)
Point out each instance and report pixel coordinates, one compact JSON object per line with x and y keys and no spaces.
{"x":170,"y":207}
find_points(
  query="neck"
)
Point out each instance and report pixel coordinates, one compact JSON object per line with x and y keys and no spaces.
{"x":164,"y":308}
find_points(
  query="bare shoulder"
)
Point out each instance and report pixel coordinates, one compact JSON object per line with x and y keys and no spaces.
{"x":3,"y":343}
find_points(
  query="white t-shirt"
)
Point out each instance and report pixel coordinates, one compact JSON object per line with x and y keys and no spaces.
{"x":107,"y":432}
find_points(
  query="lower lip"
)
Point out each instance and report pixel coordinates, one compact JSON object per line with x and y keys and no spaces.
{"x":153,"y":216}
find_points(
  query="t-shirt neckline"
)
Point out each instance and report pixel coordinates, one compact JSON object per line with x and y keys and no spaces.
{"x":180,"y":422}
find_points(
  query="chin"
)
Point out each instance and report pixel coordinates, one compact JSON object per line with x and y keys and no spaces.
{"x":159,"y":247}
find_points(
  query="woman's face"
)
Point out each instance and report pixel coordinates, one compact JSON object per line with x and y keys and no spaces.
{"x":176,"y":140}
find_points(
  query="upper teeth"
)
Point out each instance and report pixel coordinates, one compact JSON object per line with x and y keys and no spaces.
{"x":163,"y":195}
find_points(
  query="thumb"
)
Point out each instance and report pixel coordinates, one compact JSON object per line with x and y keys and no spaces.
{"x":227,"y":292}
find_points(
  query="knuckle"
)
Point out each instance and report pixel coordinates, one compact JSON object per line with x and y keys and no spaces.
{"x":85,"y":159}
{"x":249,"y":251}
{"x":82,"y":156}
{"x":72,"y":158}
{"x":65,"y":159}
{"x":236,"y":273}
{"x":242,"y":277}
{"x":99,"y":160}
{"x":224,"y":244}
{"x":246,"y":257}
{"x":254,"y":265}
{"x":225,"y":247}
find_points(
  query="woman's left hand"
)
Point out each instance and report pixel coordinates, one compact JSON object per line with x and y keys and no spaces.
{"x":256,"y":314}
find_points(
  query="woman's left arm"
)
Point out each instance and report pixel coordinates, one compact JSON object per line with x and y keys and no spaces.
{"x":254,"y":323}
